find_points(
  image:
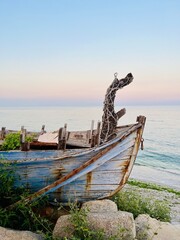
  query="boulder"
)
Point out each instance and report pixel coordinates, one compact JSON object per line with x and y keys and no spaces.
{"x":119,"y":224}
{"x":100,"y":206}
{"x":102,"y":215}
{"x":150,"y":228}
{"x":8,"y":234}
{"x":64,"y":227}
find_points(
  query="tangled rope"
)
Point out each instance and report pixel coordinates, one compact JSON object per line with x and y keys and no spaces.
{"x":110,"y":118}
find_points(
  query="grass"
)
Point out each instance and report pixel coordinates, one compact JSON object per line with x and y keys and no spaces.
{"x":21,"y":217}
{"x":153,"y":186}
{"x":133,"y":202}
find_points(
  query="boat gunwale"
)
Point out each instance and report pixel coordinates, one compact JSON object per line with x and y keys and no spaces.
{"x":132,"y":128}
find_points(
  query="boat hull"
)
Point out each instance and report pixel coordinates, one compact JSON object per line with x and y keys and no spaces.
{"x":78,"y":175}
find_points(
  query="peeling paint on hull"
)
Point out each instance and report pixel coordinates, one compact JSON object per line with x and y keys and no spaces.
{"x":79,"y":175}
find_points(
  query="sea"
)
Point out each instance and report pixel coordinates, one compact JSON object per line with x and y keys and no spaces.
{"x":158,"y":163}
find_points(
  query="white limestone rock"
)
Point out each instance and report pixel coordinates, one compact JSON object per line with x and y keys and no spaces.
{"x":150,"y":228}
{"x":100,"y":206}
{"x":101,"y":215}
{"x":9,"y":234}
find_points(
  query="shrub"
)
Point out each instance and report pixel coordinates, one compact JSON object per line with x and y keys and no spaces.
{"x":21,"y":216}
{"x":136,"y":204}
{"x":7,"y":180}
{"x":11,"y":142}
{"x":79,"y":221}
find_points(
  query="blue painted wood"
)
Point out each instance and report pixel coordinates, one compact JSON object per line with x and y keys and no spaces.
{"x":37,"y":169}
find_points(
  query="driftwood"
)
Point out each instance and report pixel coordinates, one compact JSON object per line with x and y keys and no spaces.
{"x":110,"y":118}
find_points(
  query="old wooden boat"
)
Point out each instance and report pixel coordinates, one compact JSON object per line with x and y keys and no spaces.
{"x":86,"y":165}
{"x":79,"y":174}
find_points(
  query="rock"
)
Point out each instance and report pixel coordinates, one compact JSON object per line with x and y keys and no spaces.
{"x":103,"y":216}
{"x":118,"y":224}
{"x":149,"y":228}
{"x":64,"y":227}
{"x":8,"y":234}
{"x":100,"y":206}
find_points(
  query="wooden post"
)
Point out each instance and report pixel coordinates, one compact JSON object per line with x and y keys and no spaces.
{"x":98,"y":133}
{"x":95,"y":139}
{"x":62,"y":138}
{"x":43,"y":129}
{"x":3,"y":133}
{"x":142,"y":120}
{"x":23,"y":134}
{"x":24,"y":145}
{"x":91,"y":132}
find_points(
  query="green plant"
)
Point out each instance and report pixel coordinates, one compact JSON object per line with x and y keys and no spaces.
{"x":146,"y":185}
{"x":82,"y":230}
{"x":80,"y":223}
{"x":21,"y":216}
{"x":24,"y":217}
{"x":11,"y":142}
{"x":134,"y":203}
{"x":30,"y":138}
{"x":7,"y":180}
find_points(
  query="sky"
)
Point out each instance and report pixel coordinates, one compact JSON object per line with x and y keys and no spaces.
{"x":65,"y":52}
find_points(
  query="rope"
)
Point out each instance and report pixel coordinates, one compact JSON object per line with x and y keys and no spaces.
{"x":110,"y":118}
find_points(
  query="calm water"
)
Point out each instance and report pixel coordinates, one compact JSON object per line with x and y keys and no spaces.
{"x":160,"y":160}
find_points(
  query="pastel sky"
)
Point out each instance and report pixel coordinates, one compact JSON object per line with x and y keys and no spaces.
{"x":66,"y":51}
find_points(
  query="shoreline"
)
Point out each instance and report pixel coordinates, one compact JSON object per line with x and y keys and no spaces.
{"x":156,"y":176}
